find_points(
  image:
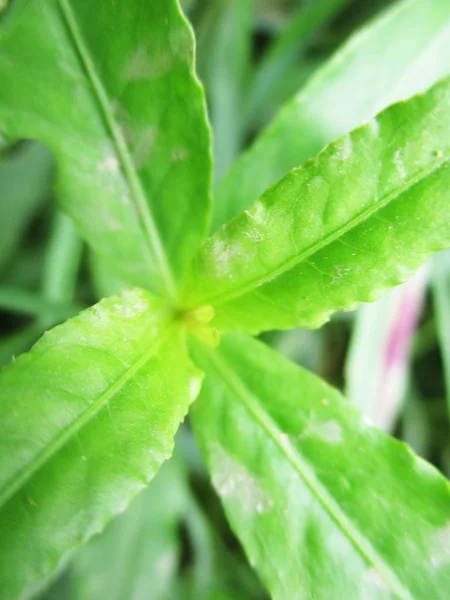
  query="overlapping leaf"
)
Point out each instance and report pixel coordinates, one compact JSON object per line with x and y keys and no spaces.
{"x":325,"y":506}
{"x":138,"y":553}
{"x":344,"y":228}
{"x":88,"y":416}
{"x":112,"y":93}
{"x":403,"y":52}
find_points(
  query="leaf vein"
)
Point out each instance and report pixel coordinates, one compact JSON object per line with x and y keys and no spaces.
{"x":307,"y":475}
{"x":143,"y":211}
{"x":64,"y":436}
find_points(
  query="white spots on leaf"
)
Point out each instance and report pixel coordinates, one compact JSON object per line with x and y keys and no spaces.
{"x":329,"y":432}
{"x":399,"y":164}
{"x":257,"y":213}
{"x":235,"y":483}
{"x":141,"y":65}
{"x":345,"y":147}
{"x":179,"y":154}
{"x":374,"y":578}
{"x":143,"y":143}
{"x":254,"y":235}
{"x":109,"y":164}
{"x":135,"y":307}
{"x":223,"y":253}
{"x":440,"y":547}
{"x":284,"y":440}
{"x":337,"y":274}
{"x":194,"y":387}
{"x":113,"y":224}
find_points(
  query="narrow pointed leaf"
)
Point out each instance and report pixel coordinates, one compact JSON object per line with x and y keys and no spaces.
{"x":112,"y":92}
{"x":325,"y":506}
{"x":87,"y":418}
{"x":226,"y":53}
{"x":403,"y":52}
{"x":344,"y":228}
{"x":283,"y":53}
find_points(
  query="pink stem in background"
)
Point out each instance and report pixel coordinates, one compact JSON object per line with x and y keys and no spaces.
{"x":397,"y":355}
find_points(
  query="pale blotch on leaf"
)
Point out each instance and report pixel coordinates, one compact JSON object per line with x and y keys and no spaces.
{"x":440,"y":547}
{"x":234,"y":482}
{"x":400,"y":165}
{"x":141,"y":65}
{"x":329,"y":432}
{"x":109,"y":164}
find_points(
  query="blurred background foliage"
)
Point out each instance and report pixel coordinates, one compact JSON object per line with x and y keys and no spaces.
{"x":392,"y":358}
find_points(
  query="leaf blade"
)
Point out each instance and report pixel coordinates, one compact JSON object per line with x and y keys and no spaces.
{"x":328,"y":504}
{"x":292,"y":259}
{"x":99,"y":432}
{"x":125,"y":183}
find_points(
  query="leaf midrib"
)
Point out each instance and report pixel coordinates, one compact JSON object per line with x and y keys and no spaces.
{"x":142,"y":208}
{"x":290,"y":263}
{"x":19,"y":479}
{"x":307,"y":475}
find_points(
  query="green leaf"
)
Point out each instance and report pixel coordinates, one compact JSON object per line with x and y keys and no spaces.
{"x":276,"y":64}
{"x":21,"y":197}
{"x":344,"y":228}
{"x":137,"y":555}
{"x":105,"y":281}
{"x":88,"y":416}
{"x":325,"y":506}
{"x":116,"y":99}
{"x":225,"y":49}
{"x":401,"y":53}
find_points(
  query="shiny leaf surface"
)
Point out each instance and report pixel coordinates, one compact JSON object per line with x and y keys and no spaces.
{"x":344,"y":228}
{"x":88,"y":416}
{"x":325,"y":506}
